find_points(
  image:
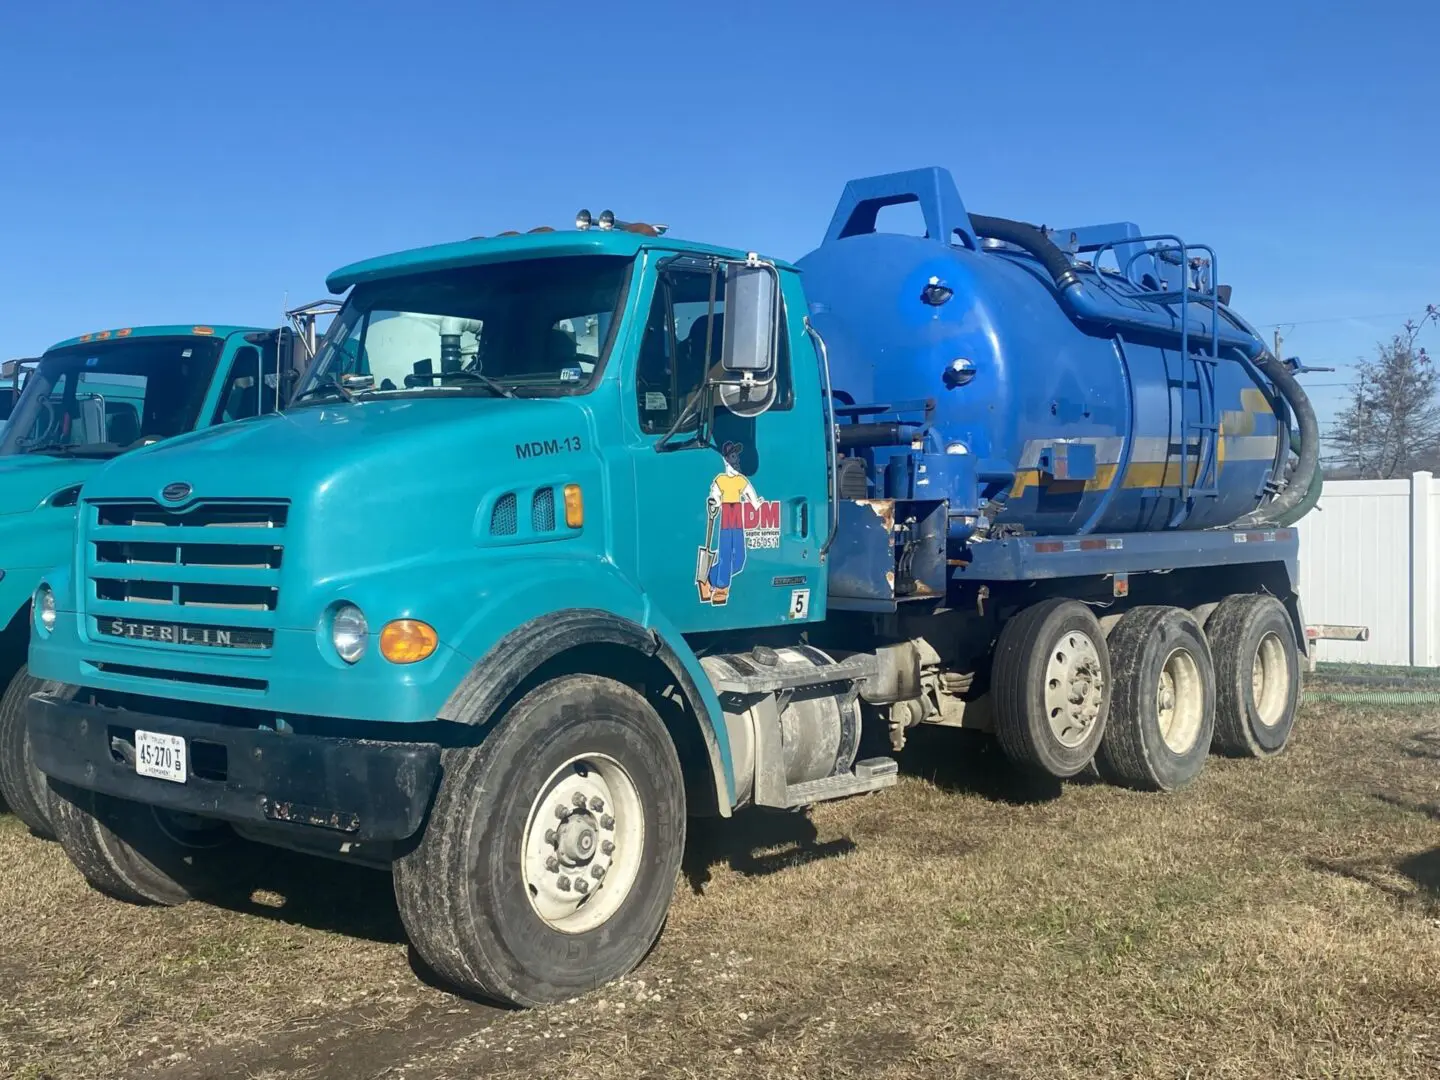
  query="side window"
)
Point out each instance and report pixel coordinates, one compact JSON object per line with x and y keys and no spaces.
{"x":252,"y":386}
{"x":681,"y":343}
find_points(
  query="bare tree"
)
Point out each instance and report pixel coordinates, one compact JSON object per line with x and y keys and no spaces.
{"x":1391,"y":425}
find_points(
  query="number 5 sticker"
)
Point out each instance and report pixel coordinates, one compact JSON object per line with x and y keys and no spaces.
{"x":800,"y":603}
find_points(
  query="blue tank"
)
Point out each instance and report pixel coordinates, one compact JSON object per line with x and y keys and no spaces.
{"x":1069,"y":384}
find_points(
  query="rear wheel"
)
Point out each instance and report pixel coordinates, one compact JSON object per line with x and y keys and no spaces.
{"x":550,"y":858}
{"x":1162,"y":712}
{"x":1257,"y":672}
{"x":139,"y":853}
{"x":1051,"y":685}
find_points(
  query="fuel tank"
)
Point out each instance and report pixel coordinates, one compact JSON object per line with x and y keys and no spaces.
{"x":1101,"y":385}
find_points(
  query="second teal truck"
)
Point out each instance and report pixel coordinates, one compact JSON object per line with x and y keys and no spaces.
{"x":83,"y":402}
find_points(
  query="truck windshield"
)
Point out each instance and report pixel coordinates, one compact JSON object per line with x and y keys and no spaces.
{"x":98,"y":399}
{"x":528,"y":328}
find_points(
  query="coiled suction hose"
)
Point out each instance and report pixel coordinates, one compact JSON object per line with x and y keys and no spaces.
{"x":1080,"y":304}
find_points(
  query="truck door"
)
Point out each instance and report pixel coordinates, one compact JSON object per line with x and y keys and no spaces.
{"x":730,"y":530}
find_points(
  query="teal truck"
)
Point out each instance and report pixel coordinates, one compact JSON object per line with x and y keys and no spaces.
{"x":568,"y":536}
{"x":85,"y":401}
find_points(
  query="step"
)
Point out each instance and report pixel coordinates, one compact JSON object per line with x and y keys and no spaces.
{"x":791,"y":676}
{"x":872,"y":774}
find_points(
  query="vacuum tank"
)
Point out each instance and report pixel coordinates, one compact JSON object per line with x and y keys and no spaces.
{"x":1049,"y":381}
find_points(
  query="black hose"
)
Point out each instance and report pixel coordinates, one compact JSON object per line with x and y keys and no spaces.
{"x":855,"y":436}
{"x":1031,"y":239}
{"x":1304,"y":475}
{"x":1303,"y":489}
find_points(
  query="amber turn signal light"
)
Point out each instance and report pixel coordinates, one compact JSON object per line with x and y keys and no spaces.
{"x":574,"y":506}
{"x":407,"y":641}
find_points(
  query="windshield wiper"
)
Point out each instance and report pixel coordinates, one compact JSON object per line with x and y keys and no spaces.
{"x":58,"y":449}
{"x":329,"y":383}
{"x":464,"y":373}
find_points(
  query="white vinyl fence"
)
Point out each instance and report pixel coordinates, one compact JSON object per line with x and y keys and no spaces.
{"x":1370,"y":556}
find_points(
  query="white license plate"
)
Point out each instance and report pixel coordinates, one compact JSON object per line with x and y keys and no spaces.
{"x":160,"y":756}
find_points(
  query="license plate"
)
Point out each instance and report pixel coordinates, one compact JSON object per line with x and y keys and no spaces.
{"x":160,"y":756}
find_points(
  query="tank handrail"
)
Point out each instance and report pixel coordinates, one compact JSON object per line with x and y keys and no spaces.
{"x":1080,"y":304}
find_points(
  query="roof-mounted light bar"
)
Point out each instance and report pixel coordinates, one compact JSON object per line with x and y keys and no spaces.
{"x":607,"y":221}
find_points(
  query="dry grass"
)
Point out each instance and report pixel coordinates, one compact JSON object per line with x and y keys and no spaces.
{"x":1279,"y":920}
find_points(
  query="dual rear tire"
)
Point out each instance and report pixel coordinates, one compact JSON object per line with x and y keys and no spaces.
{"x":1145,"y":705}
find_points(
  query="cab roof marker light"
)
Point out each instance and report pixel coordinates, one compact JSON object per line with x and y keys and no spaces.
{"x":124,"y":333}
{"x":202,"y":330}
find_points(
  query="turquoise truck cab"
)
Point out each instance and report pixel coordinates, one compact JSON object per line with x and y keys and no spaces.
{"x":84,"y":402}
{"x":561,"y":540}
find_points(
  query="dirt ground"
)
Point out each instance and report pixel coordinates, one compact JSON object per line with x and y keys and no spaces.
{"x":1280,"y":919}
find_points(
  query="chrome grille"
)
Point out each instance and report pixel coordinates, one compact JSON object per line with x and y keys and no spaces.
{"x":205,"y":576}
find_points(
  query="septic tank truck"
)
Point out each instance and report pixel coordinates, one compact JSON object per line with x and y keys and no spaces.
{"x":85,"y":401}
{"x":571,"y":534}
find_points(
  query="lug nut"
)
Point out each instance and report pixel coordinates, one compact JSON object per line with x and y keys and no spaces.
{"x":578,"y":799}
{"x":597,"y":804}
{"x":607,"y":822}
{"x":597,"y":872}
{"x":552,"y":837}
{"x":607,"y":848}
{"x":552,"y":864}
{"x":563,"y":884}
{"x":581,"y":885}
{"x":561,"y":812}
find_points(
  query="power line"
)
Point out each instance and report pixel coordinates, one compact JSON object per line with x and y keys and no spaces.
{"x":1343,"y":318}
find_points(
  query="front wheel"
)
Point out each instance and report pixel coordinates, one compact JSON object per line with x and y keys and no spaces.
{"x":138,"y":853}
{"x":550,"y":857}
{"x":22,"y":785}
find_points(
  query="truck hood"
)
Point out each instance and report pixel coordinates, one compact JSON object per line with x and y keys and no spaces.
{"x":373,"y":487}
{"x":27,"y":480}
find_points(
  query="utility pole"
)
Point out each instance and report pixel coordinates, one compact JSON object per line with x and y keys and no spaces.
{"x":1276,"y":350}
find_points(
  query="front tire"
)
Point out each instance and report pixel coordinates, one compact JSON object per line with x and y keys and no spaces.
{"x":579,"y":783}
{"x":138,"y":853}
{"x":22,"y":785}
{"x":1257,"y":672}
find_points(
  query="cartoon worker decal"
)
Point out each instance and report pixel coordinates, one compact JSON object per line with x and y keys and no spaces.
{"x":745,"y":521}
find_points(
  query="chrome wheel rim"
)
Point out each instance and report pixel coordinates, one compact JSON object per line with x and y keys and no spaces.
{"x":584,"y":843}
{"x":1074,"y":688}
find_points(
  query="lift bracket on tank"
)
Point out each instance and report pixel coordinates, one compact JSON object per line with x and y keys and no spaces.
{"x":933,"y":188}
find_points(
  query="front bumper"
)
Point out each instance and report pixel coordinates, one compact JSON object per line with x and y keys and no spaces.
{"x":362,"y":790}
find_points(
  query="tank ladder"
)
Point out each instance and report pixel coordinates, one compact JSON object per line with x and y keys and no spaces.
{"x":1203,"y":481}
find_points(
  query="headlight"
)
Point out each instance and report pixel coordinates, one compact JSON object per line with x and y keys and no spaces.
{"x":349,"y":632}
{"x":45,"y":608}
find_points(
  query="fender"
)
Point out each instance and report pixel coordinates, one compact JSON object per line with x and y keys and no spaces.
{"x":520,"y":652}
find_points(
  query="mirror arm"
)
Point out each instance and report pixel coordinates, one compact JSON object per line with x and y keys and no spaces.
{"x":832,"y":466}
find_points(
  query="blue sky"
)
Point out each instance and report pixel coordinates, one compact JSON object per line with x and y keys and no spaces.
{"x":167,"y":161}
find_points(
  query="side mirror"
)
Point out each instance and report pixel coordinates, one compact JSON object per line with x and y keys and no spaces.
{"x":752,"y":322}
